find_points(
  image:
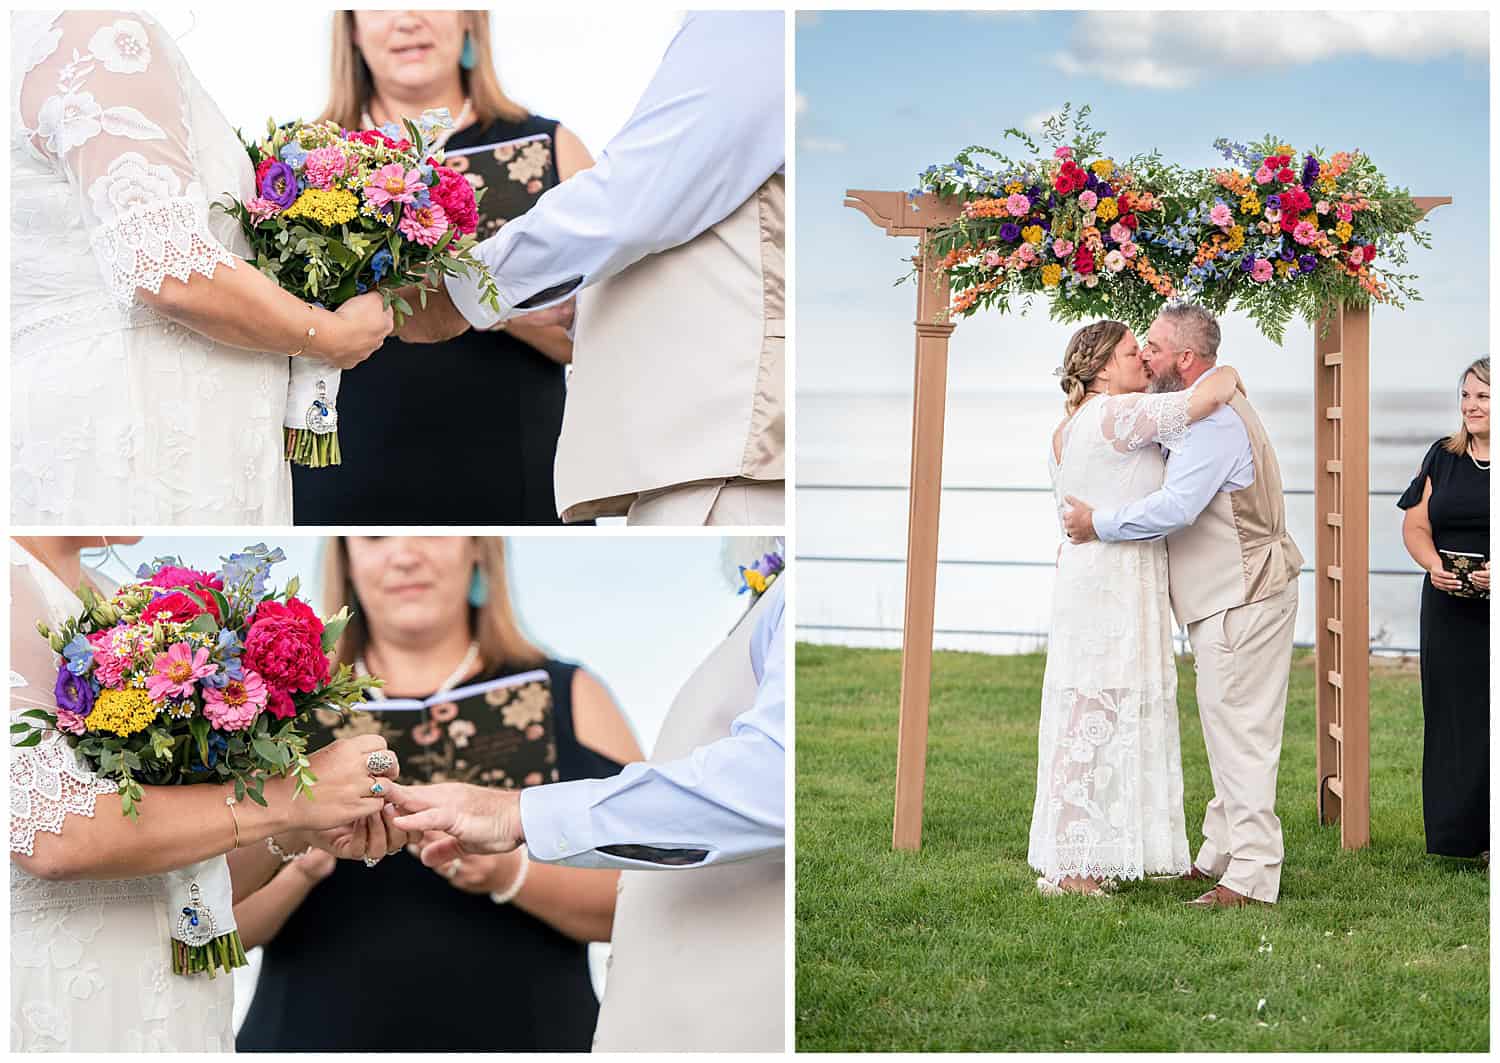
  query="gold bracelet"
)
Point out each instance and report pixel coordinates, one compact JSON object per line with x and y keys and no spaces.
{"x":229,"y":800}
{"x":311,"y":333}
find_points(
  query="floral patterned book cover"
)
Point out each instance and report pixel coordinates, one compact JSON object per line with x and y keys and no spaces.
{"x":1464,"y":566}
{"x":496,"y":732}
{"x":513,"y":174}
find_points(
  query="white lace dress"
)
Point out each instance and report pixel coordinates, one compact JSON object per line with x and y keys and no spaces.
{"x":119,"y":416}
{"x":90,"y":961}
{"x":1109,"y":763}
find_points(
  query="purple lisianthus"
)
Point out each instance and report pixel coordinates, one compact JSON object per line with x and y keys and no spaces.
{"x":279,"y":185}
{"x":1307,"y":263}
{"x":1247,"y":264}
{"x":1273,"y":202}
{"x":1310,"y":170}
{"x":74,"y":693}
{"x":1010,"y":232}
{"x":1287,"y":254}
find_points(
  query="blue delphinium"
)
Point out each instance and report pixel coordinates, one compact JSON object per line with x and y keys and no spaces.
{"x":294,"y":155}
{"x":380,"y":265}
{"x":79,"y":655}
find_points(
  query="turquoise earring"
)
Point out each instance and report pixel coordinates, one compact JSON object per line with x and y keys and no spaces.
{"x":466,"y":57}
{"x":479,"y":589}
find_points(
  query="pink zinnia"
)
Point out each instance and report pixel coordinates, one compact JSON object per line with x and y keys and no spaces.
{"x":1017,"y":205}
{"x":423,"y":225}
{"x":392,"y":183}
{"x":1345,"y":212}
{"x":1263,"y":175}
{"x":1305,"y":232}
{"x":1262,"y":271}
{"x":1088,"y":200}
{"x":1119,"y":233}
{"x":1063,"y":153}
{"x":1062,"y":248}
{"x":176,"y":672}
{"x":324,"y":166}
{"x":1220,"y":215}
{"x":237,"y":704}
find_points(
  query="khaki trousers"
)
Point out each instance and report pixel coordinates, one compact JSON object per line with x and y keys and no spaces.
{"x":1243,"y":657}
{"x":720,"y":502}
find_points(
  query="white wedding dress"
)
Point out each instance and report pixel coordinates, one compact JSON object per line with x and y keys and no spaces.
{"x":1109,"y":763}
{"x":90,"y":961}
{"x":119,"y":416}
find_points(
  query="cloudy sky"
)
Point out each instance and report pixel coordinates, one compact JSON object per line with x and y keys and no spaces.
{"x":883,"y":94}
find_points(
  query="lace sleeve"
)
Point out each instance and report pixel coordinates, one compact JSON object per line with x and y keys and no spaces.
{"x":107,"y":108}
{"x":1130,"y":422}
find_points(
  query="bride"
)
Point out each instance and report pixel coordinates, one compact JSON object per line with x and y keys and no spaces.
{"x":147,"y":384}
{"x":1109,"y":766}
{"x":90,"y":955}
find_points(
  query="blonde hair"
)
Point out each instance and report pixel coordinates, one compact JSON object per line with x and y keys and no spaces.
{"x":1088,"y":352}
{"x":350,"y":85}
{"x":493,"y":625}
{"x":1460,"y":441}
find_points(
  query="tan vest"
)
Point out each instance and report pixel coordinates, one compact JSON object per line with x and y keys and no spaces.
{"x":698,"y":958}
{"x":678,"y":373}
{"x":1238,"y":550}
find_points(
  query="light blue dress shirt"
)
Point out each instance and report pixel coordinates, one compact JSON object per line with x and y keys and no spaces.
{"x":709,"y":130}
{"x":723,"y":802}
{"x":1214,"y":455}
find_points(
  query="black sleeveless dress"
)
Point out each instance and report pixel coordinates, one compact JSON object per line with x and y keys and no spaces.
{"x":1455,"y":643}
{"x":461,"y":432}
{"x":456,"y":972}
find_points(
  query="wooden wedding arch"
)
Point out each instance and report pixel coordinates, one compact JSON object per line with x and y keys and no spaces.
{"x":1341,"y":409}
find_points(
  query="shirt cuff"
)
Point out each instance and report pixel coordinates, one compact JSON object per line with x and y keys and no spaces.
{"x":464,"y":291}
{"x":1106,"y":526}
{"x":555,"y":820}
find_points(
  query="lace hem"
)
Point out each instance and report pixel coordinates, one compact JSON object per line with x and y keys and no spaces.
{"x":48,"y":782}
{"x":31,"y":894}
{"x":150,"y":243}
{"x":1122,"y":871}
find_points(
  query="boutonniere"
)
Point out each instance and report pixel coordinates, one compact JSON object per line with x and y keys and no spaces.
{"x":758,"y":576}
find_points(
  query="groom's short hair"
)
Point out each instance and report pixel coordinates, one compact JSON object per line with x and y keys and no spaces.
{"x":1195,"y":328}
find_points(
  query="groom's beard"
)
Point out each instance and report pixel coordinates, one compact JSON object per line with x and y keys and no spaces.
{"x":1171,"y":380}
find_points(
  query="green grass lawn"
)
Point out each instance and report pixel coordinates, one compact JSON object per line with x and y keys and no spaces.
{"x":951,"y":948}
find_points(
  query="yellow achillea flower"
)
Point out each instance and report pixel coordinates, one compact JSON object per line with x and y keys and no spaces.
{"x":1052,"y":275}
{"x":1327,"y":184}
{"x":1108,"y":209}
{"x":1344,"y":230}
{"x":326,"y":206}
{"x":1250,"y":204}
{"x":122,"y":712}
{"x":1012,"y":188}
{"x":1103,"y":168}
{"x":1032,"y":234}
{"x":1236,"y":238}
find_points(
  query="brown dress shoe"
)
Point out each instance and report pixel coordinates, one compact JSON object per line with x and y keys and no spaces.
{"x":1194,"y":874}
{"x":1223,"y":897}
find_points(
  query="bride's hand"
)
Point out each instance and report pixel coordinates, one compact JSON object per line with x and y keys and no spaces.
{"x":363,"y":325}
{"x":342,"y":795}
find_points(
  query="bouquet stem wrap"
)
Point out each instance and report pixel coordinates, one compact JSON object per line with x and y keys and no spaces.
{"x":310,"y":424}
{"x":200,"y":912}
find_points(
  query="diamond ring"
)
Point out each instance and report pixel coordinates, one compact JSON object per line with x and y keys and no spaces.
{"x":380,"y":761}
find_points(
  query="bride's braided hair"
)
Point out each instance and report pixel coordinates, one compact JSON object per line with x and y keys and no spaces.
{"x":1088,"y":352}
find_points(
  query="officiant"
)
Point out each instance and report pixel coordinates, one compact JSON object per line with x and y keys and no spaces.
{"x":415,"y":422}
{"x":500,"y":943}
{"x":673,"y":245}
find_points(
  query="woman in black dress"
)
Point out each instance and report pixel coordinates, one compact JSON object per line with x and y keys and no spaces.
{"x":1448,"y":511}
{"x":421,"y":427}
{"x":486,"y":956}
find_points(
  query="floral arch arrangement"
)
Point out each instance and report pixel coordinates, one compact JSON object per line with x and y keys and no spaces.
{"x":1276,"y":233}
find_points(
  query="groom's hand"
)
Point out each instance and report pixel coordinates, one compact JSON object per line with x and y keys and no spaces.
{"x":439,"y":320}
{"x":1079,"y":521}
{"x":476,"y":819}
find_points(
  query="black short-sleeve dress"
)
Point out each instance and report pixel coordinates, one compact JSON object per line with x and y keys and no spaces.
{"x":1455,"y":644}
{"x":391,"y":958}
{"x":460,"y":432}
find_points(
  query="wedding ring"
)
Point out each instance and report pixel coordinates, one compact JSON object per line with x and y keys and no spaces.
{"x":452,"y":870}
{"x":380,"y":762}
{"x":371,"y":863}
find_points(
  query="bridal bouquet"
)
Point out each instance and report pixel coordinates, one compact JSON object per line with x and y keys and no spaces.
{"x":1285,"y":233}
{"x":188,"y":676}
{"x":339,"y":212}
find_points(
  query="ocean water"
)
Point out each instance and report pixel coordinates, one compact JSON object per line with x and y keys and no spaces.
{"x":1001,"y":439}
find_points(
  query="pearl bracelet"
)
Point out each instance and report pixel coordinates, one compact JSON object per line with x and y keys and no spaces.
{"x":285,"y":856}
{"x":516,"y":884}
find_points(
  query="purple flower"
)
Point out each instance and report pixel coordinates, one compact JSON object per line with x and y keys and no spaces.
{"x":1310,"y":170}
{"x":1247,"y":264}
{"x":1273,"y":202}
{"x":279,"y":185}
{"x":1287,"y":254}
{"x":74,"y":693}
{"x":1010,"y":232}
{"x":1307,"y":263}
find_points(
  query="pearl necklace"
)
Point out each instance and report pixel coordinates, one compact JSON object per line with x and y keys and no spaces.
{"x":471,"y":657}
{"x":1482,"y":468}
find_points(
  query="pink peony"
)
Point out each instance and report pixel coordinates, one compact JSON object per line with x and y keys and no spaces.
{"x":237,"y":704}
{"x":393,"y":183}
{"x":280,"y":705}
{"x":172,"y":577}
{"x":324,"y":165}
{"x":1263,"y":175}
{"x":1017,"y":205}
{"x":456,"y":196}
{"x":176,"y":671}
{"x":423,"y":225}
{"x":284,"y":644}
{"x":1087,"y":199}
{"x":1262,"y":271}
{"x":1221,"y":215}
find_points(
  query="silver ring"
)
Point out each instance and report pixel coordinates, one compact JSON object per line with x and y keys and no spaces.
{"x":371,"y":863}
{"x":380,"y":761}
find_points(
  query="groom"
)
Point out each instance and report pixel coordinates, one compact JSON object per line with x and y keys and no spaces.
{"x":1233,"y":579}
